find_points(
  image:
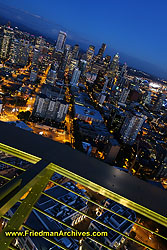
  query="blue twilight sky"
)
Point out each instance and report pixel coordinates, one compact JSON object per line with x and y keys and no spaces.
{"x":137,"y":28}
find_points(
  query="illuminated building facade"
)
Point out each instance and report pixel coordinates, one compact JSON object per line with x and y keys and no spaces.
{"x":6,"y":42}
{"x":114,"y":67}
{"x":47,"y":108}
{"x":35,"y":59}
{"x":61,"y":41}
{"x":33,"y":74}
{"x":107,"y":60}
{"x":101,"y":52}
{"x":52,"y":74}
{"x":73,"y":64}
{"x":75,"y":76}
{"x":82,"y":65}
{"x":123,"y":72}
{"x":19,"y":52}
{"x":159,"y":102}
{"x":124,"y":95}
{"x":89,"y":57}
{"x":66,"y":57}
{"x":75,"y":51}
{"x":39,"y":43}
{"x":131,"y":127}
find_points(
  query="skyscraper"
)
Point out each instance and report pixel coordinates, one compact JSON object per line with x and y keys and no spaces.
{"x":90,"y":53}
{"x":66,"y":57}
{"x":75,"y":51}
{"x":82,"y":65}
{"x":124,"y":95}
{"x":49,"y":108}
{"x":52,"y":74}
{"x":159,"y":102}
{"x":103,"y":93}
{"x":19,"y":52}
{"x":39,"y":43}
{"x":33,"y":74}
{"x":41,"y":105}
{"x":131,"y":127}
{"x":148,"y":98}
{"x":75,"y":76}
{"x":124,"y":70}
{"x":114,"y":67}
{"x":6,"y":42}
{"x":35,"y":59}
{"x":61,"y":41}
{"x":89,"y":56}
{"x":105,"y":84}
{"x":73,"y":65}
{"x":107,"y":61}
{"x":101,"y":52}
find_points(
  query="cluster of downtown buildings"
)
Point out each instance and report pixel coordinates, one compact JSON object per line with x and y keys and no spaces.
{"x":116,"y":118}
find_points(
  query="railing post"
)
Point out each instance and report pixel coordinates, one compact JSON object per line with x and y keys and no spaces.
{"x":25,"y":208}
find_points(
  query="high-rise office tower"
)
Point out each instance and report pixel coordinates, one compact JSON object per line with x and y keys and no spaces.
{"x":73,"y":65}
{"x":66,"y":57}
{"x":103,"y":94}
{"x":101,"y":52}
{"x":124,"y":70}
{"x":131,"y":127}
{"x":49,"y":108}
{"x":99,"y":82}
{"x":75,"y":51}
{"x":161,"y":171}
{"x":24,"y":52}
{"x":61,"y":41}
{"x":123,"y":81}
{"x":118,"y":117}
{"x":102,"y":98}
{"x":107,"y":60}
{"x":6,"y":42}
{"x":33,"y":74}
{"x":19,"y":52}
{"x":89,"y":56}
{"x":82,"y":65}
{"x":52,"y":74}
{"x":90,"y":53}
{"x":67,"y":50}
{"x":75,"y":76}
{"x":14,"y":49}
{"x":115,"y":63}
{"x":35,"y":58}
{"x":148,"y":98}
{"x":105,"y":84}
{"x":41,"y":105}
{"x":40,"y":42}
{"x":124,"y":95}
{"x":159,"y":102}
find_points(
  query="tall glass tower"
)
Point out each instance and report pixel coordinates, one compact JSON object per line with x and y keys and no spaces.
{"x":61,"y":41}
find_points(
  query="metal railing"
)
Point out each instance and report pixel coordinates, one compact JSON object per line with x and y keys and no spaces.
{"x":34,"y":180}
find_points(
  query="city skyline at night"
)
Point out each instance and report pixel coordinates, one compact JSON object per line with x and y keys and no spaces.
{"x":83,"y":126}
{"x":134,"y":30}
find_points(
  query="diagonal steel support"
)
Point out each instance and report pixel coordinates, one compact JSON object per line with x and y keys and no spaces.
{"x":25,"y":208}
{"x":17,"y":187}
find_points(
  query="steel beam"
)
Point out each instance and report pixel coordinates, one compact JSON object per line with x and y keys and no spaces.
{"x":24,"y":210}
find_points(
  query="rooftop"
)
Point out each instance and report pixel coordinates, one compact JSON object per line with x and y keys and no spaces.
{"x":127,"y":190}
{"x":87,"y":112}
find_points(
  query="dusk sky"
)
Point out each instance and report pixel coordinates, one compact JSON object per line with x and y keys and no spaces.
{"x":136,"y":28}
